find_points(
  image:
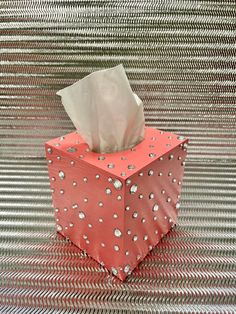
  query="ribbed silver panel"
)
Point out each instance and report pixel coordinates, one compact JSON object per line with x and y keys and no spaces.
{"x":180,"y":59}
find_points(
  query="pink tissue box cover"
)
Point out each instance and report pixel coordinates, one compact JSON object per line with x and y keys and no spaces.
{"x":116,"y":206}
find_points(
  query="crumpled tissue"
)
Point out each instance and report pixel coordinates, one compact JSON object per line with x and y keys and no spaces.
{"x":105,"y":111}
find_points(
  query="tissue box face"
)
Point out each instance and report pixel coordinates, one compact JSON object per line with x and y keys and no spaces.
{"x":116,"y":206}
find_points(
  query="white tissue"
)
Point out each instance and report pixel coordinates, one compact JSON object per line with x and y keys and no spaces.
{"x":105,"y":111}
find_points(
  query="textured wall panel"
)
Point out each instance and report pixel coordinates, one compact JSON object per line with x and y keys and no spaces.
{"x":180,"y":59}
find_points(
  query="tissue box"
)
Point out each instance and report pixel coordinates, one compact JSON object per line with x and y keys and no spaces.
{"x":116,"y":206}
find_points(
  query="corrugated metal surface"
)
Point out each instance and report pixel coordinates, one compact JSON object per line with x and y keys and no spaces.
{"x":179,"y":57}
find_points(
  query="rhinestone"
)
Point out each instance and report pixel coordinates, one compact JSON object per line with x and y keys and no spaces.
{"x":135,"y":215}
{"x":170,"y":174}
{"x":81,"y":215}
{"x":114,"y":271}
{"x":87,"y":241}
{"x":71,"y":225}
{"x":74,"y":183}
{"x":111,"y":166}
{"x":168,"y":145}
{"x":101,"y":157}
{"x":72,"y":163}
{"x":168,"y":199}
{"x":123,"y":158}
{"x":129,"y":232}
{"x":117,"y":184}
{"x":128,"y":181}
{"x":59,"y":228}
{"x":133,"y":149}
{"x":163,"y":191}
{"x":181,"y":138}
{"x":103,"y":244}
{"x":117,"y":233}
{"x":108,"y":191}
{"x":85,"y":237}
{"x":161,"y":132}
{"x":100,"y":220}
{"x":153,"y":138}
{"x":171,"y":157}
{"x":71,"y":149}
{"x":58,"y":158}
{"x":150,"y":172}
{"x":126,"y":269}
{"x":155,"y":218}
{"x":126,"y":253}
{"x":52,"y":190}
{"x":151,"y":196}
{"x":85,"y":179}
{"x":119,"y":197}
{"x":50,"y":161}
{"x":53,"y":179}
{"x":75,"y":206}
{"x":156,"y":231}
{"x":178,"y":196}
{"x":100,"y":204}
{"x":141,"y":174}
{"x":160,"y":174}
{"x":86,"y":200}
{"x":62,"y":191}
{"x":179,"y":158}
{"x":97,"y":176}
{"x":140,"y":196}
{"x":110,"y":179}
{"x":165,"y":217}
{"x":133,"y":189}
{"x":61,"y":175}
{"x":179,"y":183}
{"x":145,"y":237}
{"x":174,"y":180}
{"x":62,"y":138}
{"x":135,"y":238}
{"x":152,"y":155}
{"x":49,"y":150}
{"x":143,"y":220}
{"x":90,"y":226}
{"x":123,"y":174}
{"x":185,"y":145}
{"x":57,"y":219}
{"x":116,"y":248}
{"x":138,"y":257}
{"x":65,"y":209}
{"x":130,"y":167}
{"x":56,"y":210}
{"x":177,"y":206}
{"x":150,"y":247}
{"x":81,"y":156}
{"x":127,"y":208}
{"x":115,"y":216}
{"x":155,"y":208}
{"x":151,"y":146}
{"x":57,"y":144}
{"x":183,"y":163}
{"x":170,"y":220}
{"x":161,"y":158}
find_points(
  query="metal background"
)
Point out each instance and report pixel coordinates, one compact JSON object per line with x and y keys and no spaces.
{"x":179,"y":57}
